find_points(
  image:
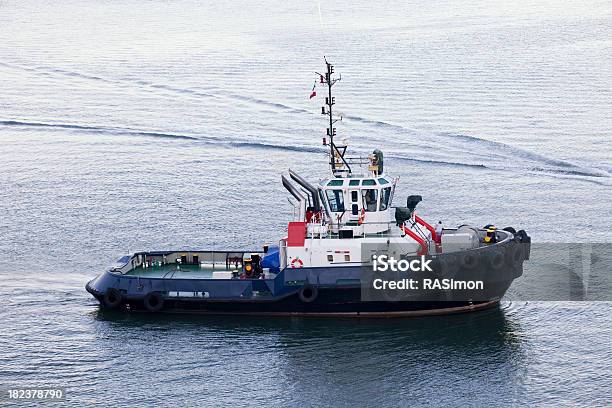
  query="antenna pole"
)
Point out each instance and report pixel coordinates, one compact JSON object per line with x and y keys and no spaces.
{"x":329,"y":101}
{"x":336,"y":152}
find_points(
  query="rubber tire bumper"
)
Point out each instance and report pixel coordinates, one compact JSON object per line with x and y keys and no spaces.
{"x":308,"y":293}
{"x":153,"y":302}
{"x":112,"y":298}
{"x":495,"y":260}
{"x":515,"y":255}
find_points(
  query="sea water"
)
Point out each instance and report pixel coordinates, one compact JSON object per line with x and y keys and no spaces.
{"x":140,"y":125}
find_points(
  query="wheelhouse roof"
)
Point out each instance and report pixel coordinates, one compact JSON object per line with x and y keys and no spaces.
{"x":356,"y":182}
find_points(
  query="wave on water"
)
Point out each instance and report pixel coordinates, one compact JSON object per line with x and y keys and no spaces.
{"x":525,"y":154}
{"x":291,"y":148}
{"x":503,"y":153}
{"x":378,"y":123}
{"x":219,"y":93}
{"x":500,"y":156}
{"x":442,"y":148}
{"x":438,"y":162}
{"x":263,"y":102}
{"x":491,"y":148}
{"x":140,"y":133}
{"x":567,"y":171}
{"x":96,"y":129}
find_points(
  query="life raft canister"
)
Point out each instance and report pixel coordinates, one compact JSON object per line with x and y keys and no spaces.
{"x":297,"y":263}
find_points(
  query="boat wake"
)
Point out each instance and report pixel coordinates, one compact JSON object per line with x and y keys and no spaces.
{"x":211,"y":92}
{"x":507,"y":162}
{"x":504,"y":150}
{"x":95,"y":129}
{"x":488,"y":154}
{"x":440,"y":149}
{"x":141,"y":133}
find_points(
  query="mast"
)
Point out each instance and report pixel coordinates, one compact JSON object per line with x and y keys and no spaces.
{"x":337,"y":161}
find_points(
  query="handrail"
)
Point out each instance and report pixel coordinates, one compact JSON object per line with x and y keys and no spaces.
{"x":431,"y":229}
{"x":346,"y":224}
{"x":424,"y":248}
{"x":338,"y":226}
{"x":418,"y":239}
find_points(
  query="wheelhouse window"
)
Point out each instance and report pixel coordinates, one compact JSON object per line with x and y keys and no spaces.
{"x":370,"y":198}
{"x":354,"y":201}
{"x":336,"y":200}
{"x":384,"y":198}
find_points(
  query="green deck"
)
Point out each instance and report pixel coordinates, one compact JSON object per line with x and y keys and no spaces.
{"x":174,"y":271}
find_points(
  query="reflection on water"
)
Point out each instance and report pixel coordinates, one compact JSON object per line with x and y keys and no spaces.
{"x":359,"y":358}
{"x":500,"y":355}
{"x":487,"y":326}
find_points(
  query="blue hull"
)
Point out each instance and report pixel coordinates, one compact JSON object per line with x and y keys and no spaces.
{"x":333,"y":291}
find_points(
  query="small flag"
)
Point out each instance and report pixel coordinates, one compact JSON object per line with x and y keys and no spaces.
{"x":313,"y":93}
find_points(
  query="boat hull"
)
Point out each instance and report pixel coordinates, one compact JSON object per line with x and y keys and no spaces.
{"x":322,"y":291}
{"x":398,"y":309}
{"x":330,"y":301}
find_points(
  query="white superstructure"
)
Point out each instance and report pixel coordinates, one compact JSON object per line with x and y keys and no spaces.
{"x":347,"y":218}
{"x":354,"y":213}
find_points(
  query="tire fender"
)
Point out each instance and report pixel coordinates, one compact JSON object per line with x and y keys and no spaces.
{"x":495,"y":260}
{"x":449,"y":265}
{"x":308,"y":293}
{"x":112,"y":298}
{"x":514,"y":255}
{"x":153,"y":302}
{"x":469,"y":261}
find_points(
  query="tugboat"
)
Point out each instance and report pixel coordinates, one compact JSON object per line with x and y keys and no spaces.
{"x":326,"y":263}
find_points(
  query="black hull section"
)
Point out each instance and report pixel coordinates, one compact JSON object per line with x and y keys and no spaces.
{"x":327,"y":291}
{"x":332,"y":302}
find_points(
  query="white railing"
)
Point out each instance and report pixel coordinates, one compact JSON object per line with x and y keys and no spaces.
{"x":331,"y":230}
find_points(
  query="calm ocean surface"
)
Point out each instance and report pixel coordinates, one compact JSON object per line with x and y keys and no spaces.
{"x":158,"y":125}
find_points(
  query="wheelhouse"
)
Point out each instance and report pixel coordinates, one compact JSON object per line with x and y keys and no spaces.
{"x":362,"y":203}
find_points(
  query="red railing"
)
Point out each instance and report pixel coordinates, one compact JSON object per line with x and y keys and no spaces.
{"x":417,"y":238}
{"x":431,"y":229}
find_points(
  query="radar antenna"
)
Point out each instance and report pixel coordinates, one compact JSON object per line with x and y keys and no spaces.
{"x":337,"y":161}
